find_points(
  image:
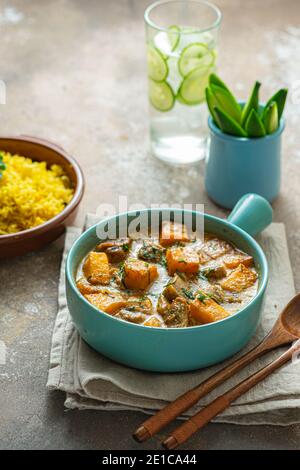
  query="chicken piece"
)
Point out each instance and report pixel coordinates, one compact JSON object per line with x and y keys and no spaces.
{"x":216,"y":292}
{"x":107,"y":302}
{"x":216,"y":248}
{"x":163,"y":305}
{"x":203,"y":257}
{"x":215,"y":271}
{"x":151,"y":252}
{"x":153,"y":322}
{"x":141,"y":304}
{"x":170,"y":292}
{"x":177,"y":315}
{"x":182,"y":259}
{"x":116,"y":250}
{"x":173,"y":232}
{"x":96,"y":268}
{"x":205,"y":310}
{"x":233,"y":262}
{"x":85,"y":287}
{"x":175,"y":287}
{"x":138,"y":274}
{"x":131,"y":315}
{"x":239,"y":279}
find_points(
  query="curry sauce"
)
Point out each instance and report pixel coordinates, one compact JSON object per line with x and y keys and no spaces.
{"x":171,"y":281}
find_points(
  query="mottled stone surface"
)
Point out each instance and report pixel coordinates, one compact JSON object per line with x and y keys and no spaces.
{"x":75,"y":74}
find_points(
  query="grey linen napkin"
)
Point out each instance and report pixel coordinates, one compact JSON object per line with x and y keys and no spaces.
{"x":91,"y":381}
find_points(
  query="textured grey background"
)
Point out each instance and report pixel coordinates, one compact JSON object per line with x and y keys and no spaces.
{"x":75,"y":74}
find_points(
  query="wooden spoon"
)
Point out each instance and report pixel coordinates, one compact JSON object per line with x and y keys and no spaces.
{"x":285,"y":331}
{"x":200,"y":419}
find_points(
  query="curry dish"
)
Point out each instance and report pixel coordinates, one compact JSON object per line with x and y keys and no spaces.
{"x":172,"y":281}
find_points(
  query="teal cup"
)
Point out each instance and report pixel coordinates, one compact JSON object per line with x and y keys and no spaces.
{"x":239,"y":165}
{"x":174,"y":349}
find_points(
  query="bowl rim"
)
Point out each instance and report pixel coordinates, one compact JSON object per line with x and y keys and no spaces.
{"x":70,"y":207}
{"x":224,"y":222}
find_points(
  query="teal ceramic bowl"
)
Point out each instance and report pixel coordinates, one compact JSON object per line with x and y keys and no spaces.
{"x":174,"y":349}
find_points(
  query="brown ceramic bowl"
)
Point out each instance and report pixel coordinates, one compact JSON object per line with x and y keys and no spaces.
{"x":37,"y":237}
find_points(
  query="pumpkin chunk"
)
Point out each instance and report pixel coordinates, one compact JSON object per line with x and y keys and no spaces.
{"x":241,"y":278}
{"x":172,"y":232}
{"x":182,"y":259}
{"x":108,"y":302}
{"x":206,"y":310}
{"x":216,"y":248}
{"x":153,"y":321}
{"x":233,"y":262}
{"x":96,"y":268}
{"x":138,"y":274}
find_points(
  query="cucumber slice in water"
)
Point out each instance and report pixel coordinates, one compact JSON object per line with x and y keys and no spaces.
{"x":173,"y":36}
{"x":167,"y":41}
{"x":157,"y":66}
{"x":161,"y":95}
{"x":180,"y":99}
{"x":192,"y":89}
{"x":193,"y":56}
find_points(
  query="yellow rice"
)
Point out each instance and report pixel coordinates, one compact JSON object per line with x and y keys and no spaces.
{"x":30,"y":194}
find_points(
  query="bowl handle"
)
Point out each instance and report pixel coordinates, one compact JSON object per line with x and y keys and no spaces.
{"x":252,"y":213}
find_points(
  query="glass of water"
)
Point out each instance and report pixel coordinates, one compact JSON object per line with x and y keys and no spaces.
{"x":181,"y":37}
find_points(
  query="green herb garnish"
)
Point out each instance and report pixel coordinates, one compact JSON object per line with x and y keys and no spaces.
{"x":202,"y":296}
{"x":125,"y":247}
{"x":2,"y":164}
{"x":163,"y":261}
{"x":189,"y":294}
{"x":121,"y":269}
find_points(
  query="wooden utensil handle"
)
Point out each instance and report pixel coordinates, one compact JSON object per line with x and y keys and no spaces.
{"x":166,"y":415}
{"x":196,"y":422}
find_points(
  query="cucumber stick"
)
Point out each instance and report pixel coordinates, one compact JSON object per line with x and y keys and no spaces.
{"x":254,"y":126}
{"x":227,"y":102}
{"x":227,"y":124}
{"x":280,"y":99}
{"x":212,"y":104}
{"x":252,"y":103}
{"x":215,"y":80}
{"x":270,"y":119}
